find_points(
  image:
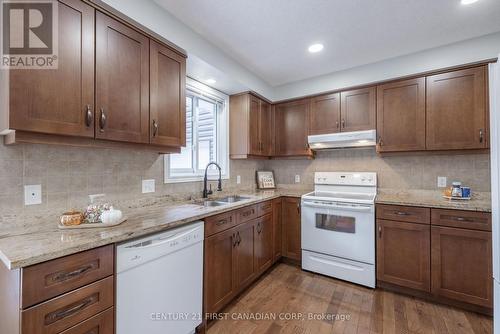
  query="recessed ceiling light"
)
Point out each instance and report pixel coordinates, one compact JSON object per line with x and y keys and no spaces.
{"x":210,"y":81}
{"x":468,"y":2}
{"x":315,"y":48}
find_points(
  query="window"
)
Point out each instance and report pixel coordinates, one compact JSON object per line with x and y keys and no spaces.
{"x":206,"y":136}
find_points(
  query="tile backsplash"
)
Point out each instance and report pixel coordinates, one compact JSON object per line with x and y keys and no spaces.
{"x":402,"y":171}
{"x":69,"y":174}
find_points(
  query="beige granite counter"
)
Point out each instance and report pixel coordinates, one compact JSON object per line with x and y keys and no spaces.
{"x":481,"y":201}
{"x":42,"y":241}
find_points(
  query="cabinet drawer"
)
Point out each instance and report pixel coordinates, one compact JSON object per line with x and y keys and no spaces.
{"x":219,"y":223}
{"x":46,"y":280}
{"x":464,"y":219}
{"x":410,"y":214}
{"x":102,"y":323}
{"x":264,"y":208}
{"x":66,"y":311}
{"x":247,"y":213}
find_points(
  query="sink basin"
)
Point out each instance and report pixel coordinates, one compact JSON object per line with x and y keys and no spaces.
{"x":232,"y":199}
{"x":209,"y":203}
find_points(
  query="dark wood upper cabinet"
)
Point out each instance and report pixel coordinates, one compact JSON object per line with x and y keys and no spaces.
{"x":254,"y":125}
{"x":291,"y":128}
{"x":60,"y":101}
{"x":358,"y":109}
{"x":403,"y":254}
{"x":291,"y":228}
{"x":401,"y":116}
{"x":461,"y":265}
{"x":250,"y":127}
{"x":122,"y":82}
{"x":266,"y":129}
{"x":324,"y":116}
{"x":457,"y":110}
{"x":167,"y":96}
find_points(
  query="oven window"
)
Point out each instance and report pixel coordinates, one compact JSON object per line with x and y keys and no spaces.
{"x":336,"y":223}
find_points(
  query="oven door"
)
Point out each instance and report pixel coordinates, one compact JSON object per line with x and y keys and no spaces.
{"x":345,"y":230}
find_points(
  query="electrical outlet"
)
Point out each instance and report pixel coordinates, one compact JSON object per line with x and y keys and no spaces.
{"x":238,"y":179}
{"x":297,"y":178}
{"x":441,"y":181}
{"x":148,"y":186}
{"x":33,"y":194}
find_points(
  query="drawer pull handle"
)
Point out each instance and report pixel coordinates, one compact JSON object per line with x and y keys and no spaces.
{"x":259,"y":227}
{"x":248,"y":213}
{"x":72,"y":309}
{"x":401,"y":213}
{"x":72,"y":274}
{"x":462,"y":219}
{"x":221,"y":222}
{"x":235,"y":240}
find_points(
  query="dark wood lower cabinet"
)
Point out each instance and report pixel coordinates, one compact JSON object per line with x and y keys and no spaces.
{"x":447,"y":259}
{"x":264,"y":250}
{"x":277,"y":229}
{"x":291,"y":228}
{"x":403,"y":254}
{"x":462,"y":265}
{"x":245,"y":254}
{"x":220,"y":282}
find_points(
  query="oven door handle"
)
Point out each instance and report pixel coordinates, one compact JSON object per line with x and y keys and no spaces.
{"x":349,"y":207}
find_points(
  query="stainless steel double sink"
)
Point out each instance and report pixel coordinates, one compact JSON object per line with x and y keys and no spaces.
{"x":221,"y":201}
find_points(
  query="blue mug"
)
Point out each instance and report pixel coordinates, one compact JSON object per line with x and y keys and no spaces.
{"x":465,"y":192}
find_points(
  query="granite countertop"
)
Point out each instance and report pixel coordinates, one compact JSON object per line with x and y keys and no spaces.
{"x":480,"y":201}
{"x":24,"y":247}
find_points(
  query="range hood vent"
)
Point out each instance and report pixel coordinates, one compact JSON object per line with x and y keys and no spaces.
{"x":343,"y":139}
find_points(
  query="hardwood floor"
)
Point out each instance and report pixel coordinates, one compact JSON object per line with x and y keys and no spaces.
{"x":284,"y":300}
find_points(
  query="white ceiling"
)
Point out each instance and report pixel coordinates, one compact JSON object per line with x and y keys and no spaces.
{"x":270,"y":37}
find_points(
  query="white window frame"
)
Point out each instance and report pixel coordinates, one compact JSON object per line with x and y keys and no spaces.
{"x":222,"y":137}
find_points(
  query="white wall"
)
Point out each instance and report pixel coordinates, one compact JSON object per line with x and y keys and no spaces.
{"x":468,"y":51}
{"x":154,"y":17}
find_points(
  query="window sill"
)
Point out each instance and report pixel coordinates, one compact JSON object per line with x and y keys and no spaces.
{"x":186,"y":179}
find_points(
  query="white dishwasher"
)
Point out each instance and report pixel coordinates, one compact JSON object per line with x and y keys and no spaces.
{"x":159,"y":282}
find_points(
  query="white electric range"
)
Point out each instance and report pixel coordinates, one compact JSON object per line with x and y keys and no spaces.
{"x":338,"y":226}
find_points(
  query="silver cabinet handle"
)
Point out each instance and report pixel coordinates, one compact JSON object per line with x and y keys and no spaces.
{"x":102,"y":120}
{"x":155,"y":128}
{"x":481,"y":135}
{"x":88,"y":115}
{"x":343,"y":124}
{"x":380,"y":232}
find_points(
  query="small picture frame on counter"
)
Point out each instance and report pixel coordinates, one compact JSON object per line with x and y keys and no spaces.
{"x":265,"y":179}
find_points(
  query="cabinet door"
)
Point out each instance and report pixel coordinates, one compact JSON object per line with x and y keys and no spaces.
{"x":358,"y":109}
{"x":461,"y":265}
{"x":291,"y":228}
{"x":264,"y":251}
{"x":265,"y":128}
{"x":254,"y":130}
{"x":245,"y":254}
{"x":324,"y":116}
{"x":277,"y":228}
{"x":403,"y":254}
{"x":167,"y":96}
{"x":60,"y":101}
{"x":457,"y":110}
{"x":401,"y":116}
{"x":291,"y":128}
{"x":122,"y":82}
{"x":220,"y":282}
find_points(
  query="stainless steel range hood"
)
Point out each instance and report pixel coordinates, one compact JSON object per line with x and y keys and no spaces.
{"x":343,"y":139}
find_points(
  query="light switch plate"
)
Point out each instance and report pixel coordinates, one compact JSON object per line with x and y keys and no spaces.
{"x":297,"y":178}
{"x":441,"y":181}
{"x":148,"y":186}
{"x":33,"y":194}
{"x":238,"y":179}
